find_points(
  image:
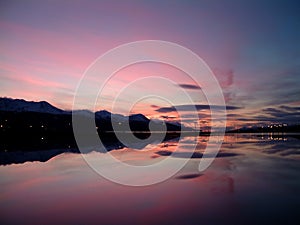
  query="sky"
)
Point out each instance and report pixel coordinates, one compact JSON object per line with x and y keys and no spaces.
{"x":252,"y":47}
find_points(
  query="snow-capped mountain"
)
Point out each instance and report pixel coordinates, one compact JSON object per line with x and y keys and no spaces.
{"x":20,"y":105}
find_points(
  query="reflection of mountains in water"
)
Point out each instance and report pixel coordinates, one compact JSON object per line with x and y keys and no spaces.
{"x":43,"y":153}
{"x":30,"y":131}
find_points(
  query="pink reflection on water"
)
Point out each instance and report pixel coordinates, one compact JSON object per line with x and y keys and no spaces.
{"x":65,"y":190}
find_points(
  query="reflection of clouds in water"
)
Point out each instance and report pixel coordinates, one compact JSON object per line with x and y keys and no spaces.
{"x":277,"y":144}
{"x":188,"y":176}
{"x":283,"y":149}
{"x":195,"y":155}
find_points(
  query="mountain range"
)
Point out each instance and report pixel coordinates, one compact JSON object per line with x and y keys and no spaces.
{"x":21,"y":105}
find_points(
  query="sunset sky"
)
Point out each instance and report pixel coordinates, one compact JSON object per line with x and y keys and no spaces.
{"x":251,"y":46}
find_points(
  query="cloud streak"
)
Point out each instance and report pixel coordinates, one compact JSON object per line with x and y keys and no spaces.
{"x":190,"y":86}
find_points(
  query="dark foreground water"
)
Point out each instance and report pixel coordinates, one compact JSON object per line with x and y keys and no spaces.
{"x":255,"y":180}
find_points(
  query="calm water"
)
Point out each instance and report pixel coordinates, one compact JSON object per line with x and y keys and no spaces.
{"x":254,"y":181}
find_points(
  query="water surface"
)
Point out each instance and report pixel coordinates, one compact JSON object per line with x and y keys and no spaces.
{"x":253,"y":180}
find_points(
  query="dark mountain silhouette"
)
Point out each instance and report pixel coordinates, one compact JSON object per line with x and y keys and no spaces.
{"x":20,"y":105}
